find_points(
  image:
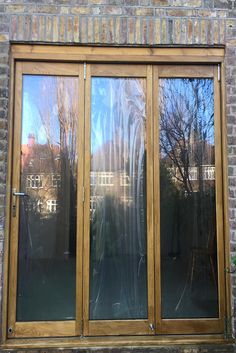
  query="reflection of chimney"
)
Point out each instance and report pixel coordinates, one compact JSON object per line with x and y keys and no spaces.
{"x":31,"y":140}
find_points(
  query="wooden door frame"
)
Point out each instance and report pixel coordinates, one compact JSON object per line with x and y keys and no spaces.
{"x":65,"y":54}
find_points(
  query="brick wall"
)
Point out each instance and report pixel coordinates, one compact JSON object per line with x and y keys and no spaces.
{"x":120,"y":22}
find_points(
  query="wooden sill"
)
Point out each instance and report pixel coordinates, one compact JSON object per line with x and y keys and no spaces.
{"x":126,"y":341}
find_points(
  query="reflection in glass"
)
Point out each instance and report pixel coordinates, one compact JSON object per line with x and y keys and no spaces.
{"x":47,"y":230}
{"x":118,"y":260}
{"x":188,"y":210}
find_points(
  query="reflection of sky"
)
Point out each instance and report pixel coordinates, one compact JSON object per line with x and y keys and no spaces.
{"x":39,"y":97}
{"x":117,"y":107}
{"x":184,"y":97}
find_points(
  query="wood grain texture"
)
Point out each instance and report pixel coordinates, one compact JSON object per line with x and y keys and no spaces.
{"x":115,"y":54}
{"x":156,"y":181}
{"x":80,"y":206}
{"x":150,"y":200}
{"x":186,"y":71}
{"x":86,"y":248}
{"x":119,"y":70}
{"x":42,"y":68}
{"x":121,"y":341}
{"x":219,"y":198}
{"x":225,"y":193}
{"x":44,"y":329}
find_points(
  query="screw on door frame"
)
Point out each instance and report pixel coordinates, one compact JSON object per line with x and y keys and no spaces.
{"x":10,"y":330}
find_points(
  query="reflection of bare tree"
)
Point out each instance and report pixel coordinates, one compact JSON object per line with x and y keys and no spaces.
{"x":186,"y":127}
{"x":59,"y":115}
{"x":188,"y":223}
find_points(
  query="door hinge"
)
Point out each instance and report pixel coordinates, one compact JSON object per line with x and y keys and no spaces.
{"x":218,"y":73}
{"x":152,"y":327}
{"x":85,"y":71}
{"x":82,"y":328}
{"x":227,"y":328}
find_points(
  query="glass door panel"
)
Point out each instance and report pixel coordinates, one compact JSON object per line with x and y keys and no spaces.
{"x":47,"y":220}
{"x":118,"y":244}
{"x":187,"y":198}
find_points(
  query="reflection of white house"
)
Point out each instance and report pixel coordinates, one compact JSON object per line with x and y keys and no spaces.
{"x":47,"y":204}
{"x":208,"y":172}
{"x":117,"y":184}
{"x":43,"y":186}
{"x":107,"y":178}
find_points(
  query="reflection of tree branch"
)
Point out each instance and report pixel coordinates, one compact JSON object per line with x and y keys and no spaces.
{"x":187,"y":118}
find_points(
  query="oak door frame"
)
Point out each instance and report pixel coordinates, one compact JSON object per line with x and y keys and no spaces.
{"x":64,"y":54}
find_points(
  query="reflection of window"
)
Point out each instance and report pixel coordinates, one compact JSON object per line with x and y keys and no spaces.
{"x":34,"y":181}
{"x":34,"y":205}
{"x":208,"y":172}
{"x":56,"y":180}
{"x":101,"y":178}
{"x":127,"y":200}
{"x":124,"y":179}
{"x":193,"y":173}
{"x":39,"y":206}
{"x":93,"y":203}
{"x":52,"y":205}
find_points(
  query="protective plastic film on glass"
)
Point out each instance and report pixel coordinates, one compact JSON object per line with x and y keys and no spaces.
{"x":118,"y":254}
{"x":187,"y":199}
{"x":47,"y":225}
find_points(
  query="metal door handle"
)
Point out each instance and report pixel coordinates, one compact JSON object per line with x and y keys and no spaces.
{"x":14,"y":195}
{"x":19,"y":194}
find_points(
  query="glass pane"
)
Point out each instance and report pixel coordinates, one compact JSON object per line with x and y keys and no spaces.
{"x":47,"y":230}
{"x":188,"y":210}
{"x":118,"y":254}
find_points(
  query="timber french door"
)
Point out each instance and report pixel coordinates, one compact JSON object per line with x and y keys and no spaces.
{"x":45,"y":295}
{"x":118,"y":252}
{"x":188,"y":214}
{"x":116,"y":210}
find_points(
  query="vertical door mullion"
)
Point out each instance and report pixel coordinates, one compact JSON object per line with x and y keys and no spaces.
{"x":86,"y":247}
{"x":219,"y":197}
{"x":80,"y":205}
{"x":156,"y":206}
{"x":150,"y":199}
